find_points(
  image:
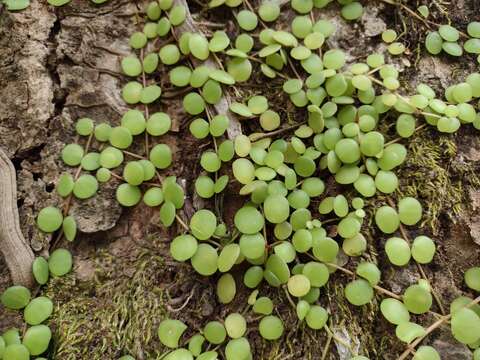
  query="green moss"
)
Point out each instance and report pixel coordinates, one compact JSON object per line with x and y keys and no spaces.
{"x":432,"y":174}
{"x":300,"y":342}
{"x":356,"y":323}
{"x":113,"y":315}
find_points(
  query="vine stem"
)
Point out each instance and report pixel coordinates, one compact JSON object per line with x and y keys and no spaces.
{"x":66,"y":209}
{"x":410,"y":11}
{"x":176,"y":93}
{"x":222,"y":106}
{"x":253,"y":58}
{"x":376,"y":287}
{"x":116,"y":176}
{"x":68,"y":202}
{"x":406,"y":100}
{"x":375,"y":80}
{"x":418,"y":17}
{"x":250,"y":7}
{"x":329,"y":221}
{"x":377,"y":69}
{"x":220,"y":65}
{"x":418,"y":128}
{"x":327,"y":346}
{"x":210,"y":118}
{"x":351,"y":273}
{"x":147,"y":112}
{"x":292,"y":66}
{"x":431,"y":328}
{"x":407,"y":238}
{"x":134,"y":155}
{"x":276,"y":132}
{"x":179,"y":219}
{"x":289,"y":298}
{"x":434,"y":293}
{"x":290,"y":63}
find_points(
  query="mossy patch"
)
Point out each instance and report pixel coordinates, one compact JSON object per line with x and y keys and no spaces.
{"x":433,"y":174}
{"x":115,"y":314}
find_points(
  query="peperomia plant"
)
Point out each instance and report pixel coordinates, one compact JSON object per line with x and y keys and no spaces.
{"x":314,"y":174}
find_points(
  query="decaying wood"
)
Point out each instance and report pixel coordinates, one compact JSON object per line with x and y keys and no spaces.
{"x":17,"y":252}
{"x":222,"y":107}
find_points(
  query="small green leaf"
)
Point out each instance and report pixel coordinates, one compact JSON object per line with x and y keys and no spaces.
{"x":15,"y":5}
{"x":170,"y":331}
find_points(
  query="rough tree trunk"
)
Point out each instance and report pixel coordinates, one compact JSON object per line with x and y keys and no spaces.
{"x":57,"y":65}
{"x":15,"y":249}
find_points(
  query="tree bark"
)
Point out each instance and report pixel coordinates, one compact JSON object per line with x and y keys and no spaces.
{"x":16,"y":251}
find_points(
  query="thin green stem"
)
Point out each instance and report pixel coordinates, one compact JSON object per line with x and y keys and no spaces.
{"x":179,"y":219}
{"x":327,"y":346}
{"x":289,"y":298}
{"x":407,"y":238}
{"x":398,"y":139}
{"x":431,"y":328}
{"x":259,"y":136}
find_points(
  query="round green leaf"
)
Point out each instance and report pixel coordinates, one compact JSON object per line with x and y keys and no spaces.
{"x":60,"y":262}
{"x":271,"y":327}
{"x":49,"y":219}
{"x":38,"y":310}
{"x":170,"y":332}
{"x":15,"y":297}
